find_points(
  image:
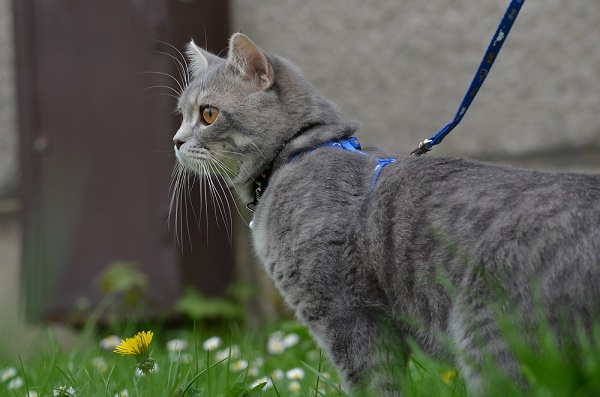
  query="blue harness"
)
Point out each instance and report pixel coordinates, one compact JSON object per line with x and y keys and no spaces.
{"x":352,"y":145}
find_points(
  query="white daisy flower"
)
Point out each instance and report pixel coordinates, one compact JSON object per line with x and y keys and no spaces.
{"x":258,"y":362}
{"x":7,"y":374}
{"x":275,"y":345}
{"x":277,"y":334}
{"x":294,"y":386}
{"x":239,"y":365}
{"x":277,"y":374}
{"x":212,"y":344}
{"x":32,"y":394}
{"x":291,"y":340}
{"x":63,"y":391}
{"x":222,"y":355}
{"x":15,"y":383}
{"x":253,"y":371}
{"x":110,"y":342}
{"x":269,"y":383}
{"x":231,"y":352}
{"x":177,"y":345}
{"x":234,"y":351}
{"x":99,"y":363}
{"x":295,"y":373}
{"x":123,"y":393}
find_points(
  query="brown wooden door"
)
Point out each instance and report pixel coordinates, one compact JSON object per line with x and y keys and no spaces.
{"x":96,"y":153}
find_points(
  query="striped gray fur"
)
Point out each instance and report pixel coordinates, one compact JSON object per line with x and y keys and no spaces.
{"x":440,"y":252}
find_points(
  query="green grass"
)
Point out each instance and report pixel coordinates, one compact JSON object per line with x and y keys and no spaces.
{"x":255,"y":364}
{"x":238,"y":367}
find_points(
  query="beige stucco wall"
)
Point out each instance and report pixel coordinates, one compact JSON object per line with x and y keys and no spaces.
{"x":402,"y":68}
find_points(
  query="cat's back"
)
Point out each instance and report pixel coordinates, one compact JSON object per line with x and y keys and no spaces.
{"x":481,"y":206}
{"x":519,"y":228}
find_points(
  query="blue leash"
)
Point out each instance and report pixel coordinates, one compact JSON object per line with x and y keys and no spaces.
{"x":484,"y":68}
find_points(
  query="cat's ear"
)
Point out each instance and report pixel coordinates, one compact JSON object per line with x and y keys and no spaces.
{"x":199,"y":59}
{"x":247,"y":59}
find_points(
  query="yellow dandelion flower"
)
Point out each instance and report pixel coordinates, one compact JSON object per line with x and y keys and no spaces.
{"x":135,"y":346}
{"x":138,"y":347}
{"x":448,"y":376}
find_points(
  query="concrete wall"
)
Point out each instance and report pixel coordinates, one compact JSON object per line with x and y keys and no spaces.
{"x":402,"y":68}
{"x":8,"y":134}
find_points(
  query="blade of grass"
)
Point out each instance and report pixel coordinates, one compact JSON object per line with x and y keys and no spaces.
{"x":24,"y":376}
{"x":107,"y":381}
{"x":319,"y":369}
{"x":274,"y":386}
{"x":91,"y":381}
{"x":198,"y":375}
{"x":325,"y":380}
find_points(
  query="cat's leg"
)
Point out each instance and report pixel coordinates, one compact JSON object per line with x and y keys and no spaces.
{"x":343,"y":311}
{"x":366,"y":348}
{"x":474,"y":331}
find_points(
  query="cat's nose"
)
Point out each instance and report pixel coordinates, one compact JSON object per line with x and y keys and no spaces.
{"x":178,"y":142}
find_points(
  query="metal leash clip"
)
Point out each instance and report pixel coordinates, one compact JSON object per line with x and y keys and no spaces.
{"x":423,"y":148}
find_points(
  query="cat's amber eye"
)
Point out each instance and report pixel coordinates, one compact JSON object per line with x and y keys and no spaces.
{"x":209,"y":114}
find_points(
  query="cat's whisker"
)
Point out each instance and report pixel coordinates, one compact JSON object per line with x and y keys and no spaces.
{"x":160,"y":86}
{"x":222,"y":165}
{"x":203,"y":204}
{"x":163,"y":94}
{"x":187,"y":70}
{"x":205,"y":191}
{"x":242,"y":168}
{"x":184,"y":199}
{"x":171,"y":77}
{"x":175,"y":189}
{"x":179,"y":174}
{"x":201,"y":178}
{"x":180,"y":68}
{"x":254,"y":144}
{"x":189,"y":205}
{"x":229,"y":151}
{"x":220,"y":204}
{"x":216,"y":167}
{"x":174,"y":199}
{"x":191,"y":184}
{"x":229,"y":170}
{"x":226,"y":175}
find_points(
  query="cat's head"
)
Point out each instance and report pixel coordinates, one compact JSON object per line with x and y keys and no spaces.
{"x":240,"y":112}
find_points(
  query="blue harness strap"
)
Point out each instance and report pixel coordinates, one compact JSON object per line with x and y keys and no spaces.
{"x":352,"y":145}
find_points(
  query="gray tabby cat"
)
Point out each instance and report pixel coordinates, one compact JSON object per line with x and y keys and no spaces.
{"x":433,"y":250}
